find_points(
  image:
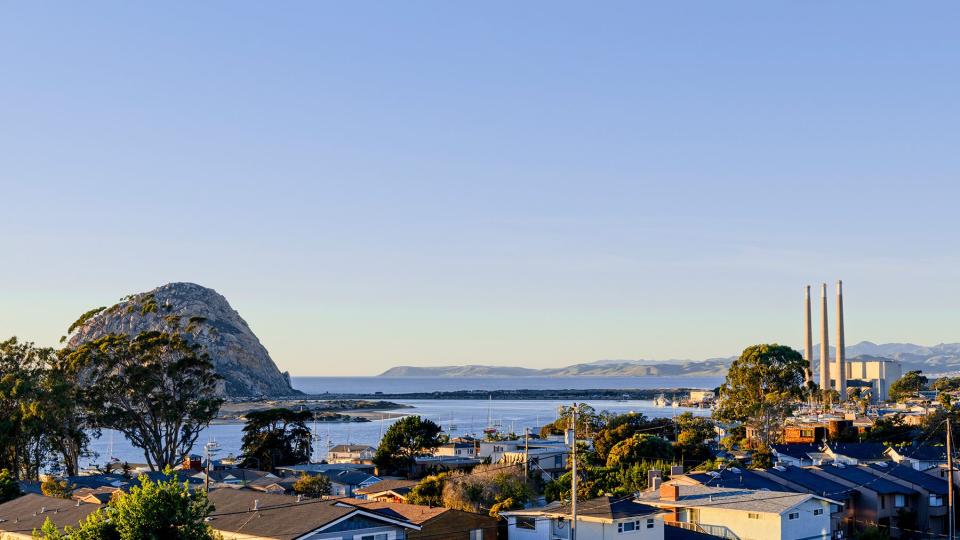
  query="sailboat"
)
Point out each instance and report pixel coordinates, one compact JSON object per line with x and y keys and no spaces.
{"x":491,"y":428}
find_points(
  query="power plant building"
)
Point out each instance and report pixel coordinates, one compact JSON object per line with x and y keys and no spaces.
{"x":838,"y":373}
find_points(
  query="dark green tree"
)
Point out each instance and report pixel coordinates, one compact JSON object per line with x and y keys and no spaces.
{"x":639,"y":448}
{"x":314,"y":486}
{"x":9,"y":487}
{"x":156,"y":389}
{"x":908,"y":386}
{"x":276,"y":437}
{"x":762,"y":388}
{"x":946,"y":384}
{"x":429,"y":492}
{"x":620,"y":427}
{"x":891,"y":430}
{"x":407,"y":438}
{"x":694,"y":434}
{"x":588,"y":421}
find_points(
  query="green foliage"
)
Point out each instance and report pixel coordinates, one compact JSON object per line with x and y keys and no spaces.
{"x":946,"y":384}
{"x":871,"y":533}
{"x":907,"y":386}
{"x":315,"y":486}
{"x":619,"y":427}
{"x":9,"y":487}
{"x":694,"y":432}
{"x":588,"y":422}
{"x":762,"y":388}
{"x":407,"y":438}
{"x":156,"y":389}
{"x":97,"y":526}
{"x":638,"y":448}
{"x":487,"y":487}
{"x":41,"y":425}
{"x":172,"y":320}
{"x":51,"y":487}
{"x":276,"y":437}
{"x":194,"y":322}
{"x":761,"y":458}
{"x":149,"y":305}
{"x":84,"y":318}
{"x":597,"y":481}
{"x":429,"y":491}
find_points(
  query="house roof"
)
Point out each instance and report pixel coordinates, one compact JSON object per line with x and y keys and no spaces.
{"x":244,"y":475}
{"x":414,"y":513}
{"x":933,"y":484}
{"x":400,"y":487}
{"x":350,"y":478}
{"x":862,"y":477}
{"x":922,"y":452}
{"x":815,"y":483}
{"x":796,"y":451}
{"x":736,"y":478}
{"x":601,"y":508}
{"x":351,"y":448}
{"x":281,"y":516}
{"x":860,"y":451}
{"x":775,"y":502}
{"x":23,"y":514}
{"x":672,"y":532}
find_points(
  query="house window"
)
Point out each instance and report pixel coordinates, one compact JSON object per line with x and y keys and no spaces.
{"x":883,"y":502}
{"x":476,"y":534}
{"x":527,"y":522}
{"x":899,"y":501}
{"x":817,"y":511}
{"x":378,"y":536}
{"x":628,"y":526}
{"x":751,"y":515}
{"x":794,"y":515}
{"x":650,"y":523}
{"x":936,"y":500}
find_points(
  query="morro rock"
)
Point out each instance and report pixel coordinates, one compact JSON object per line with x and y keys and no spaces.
{"x":202,"y":316}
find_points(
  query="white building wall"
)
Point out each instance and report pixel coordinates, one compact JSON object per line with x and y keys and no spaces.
{"x":807,"y":525}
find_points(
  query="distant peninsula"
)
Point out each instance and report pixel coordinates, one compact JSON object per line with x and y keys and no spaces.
{"x":933,"y":360}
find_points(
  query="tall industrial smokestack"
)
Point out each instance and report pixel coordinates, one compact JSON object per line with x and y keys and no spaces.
{"x":824,"y":341}
{"x":841,"y":374}
{"x":808,"y":338}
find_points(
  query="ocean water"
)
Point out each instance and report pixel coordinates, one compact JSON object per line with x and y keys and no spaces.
{"x":400,"y":385}
{"x":457,"y":417}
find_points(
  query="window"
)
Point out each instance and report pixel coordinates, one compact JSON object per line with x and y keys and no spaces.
{"x":817,"y":511}
{"x":527,"y":522}
{"x":794,"y":515}
{"x":476,"y":534}
{"x":378,"y":536}
{"x":899,"y":501}
{"x":628,"y":526}
{"x":936,"y":500}
{"x":751,"y":515}
{"x":883,"y":501}
{"x":650,"y":523}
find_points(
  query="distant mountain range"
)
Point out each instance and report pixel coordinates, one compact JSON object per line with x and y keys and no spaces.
{"x":941,"y":358}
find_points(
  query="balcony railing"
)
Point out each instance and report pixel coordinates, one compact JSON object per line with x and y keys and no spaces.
{"x":715,"y":530}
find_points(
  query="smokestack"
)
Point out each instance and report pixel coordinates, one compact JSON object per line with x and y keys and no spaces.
{"x":808,"y":338}
{"x":824,"y":341}
{"x":841,"y":348}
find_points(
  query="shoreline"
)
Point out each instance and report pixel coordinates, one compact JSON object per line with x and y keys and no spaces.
{"x":600,"y":394}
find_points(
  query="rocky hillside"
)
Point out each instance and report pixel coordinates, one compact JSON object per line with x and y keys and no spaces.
{"x":204,"y":317}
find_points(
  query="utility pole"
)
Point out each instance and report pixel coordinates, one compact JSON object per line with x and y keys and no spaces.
{"x":573,"y":480}
{"x":526,"y":453}
{"x":950,"y":504}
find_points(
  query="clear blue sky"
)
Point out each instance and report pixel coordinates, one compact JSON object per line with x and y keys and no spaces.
{"x":521,"y":183}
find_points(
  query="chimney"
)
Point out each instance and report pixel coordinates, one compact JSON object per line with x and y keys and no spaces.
{"x":654,"y":478}
{"x":655,"y":483}
{"x":676,"y":470}
{"x":841,"y":348}
{"x":669,"y":492}
{"x":808,"y":337}
{"x":824,"y":341}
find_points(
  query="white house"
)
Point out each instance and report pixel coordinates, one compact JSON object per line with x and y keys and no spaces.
{"x":744,"y":513}
{"x":351,"y":453}
{"x":603,"y":518}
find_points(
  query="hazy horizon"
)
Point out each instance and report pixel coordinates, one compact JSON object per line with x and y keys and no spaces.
{"x":537,"y":184}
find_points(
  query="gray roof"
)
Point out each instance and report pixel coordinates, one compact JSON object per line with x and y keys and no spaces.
{"x":604,"y":508}
{"x":775,"y":502}
{"x":23,"y":514}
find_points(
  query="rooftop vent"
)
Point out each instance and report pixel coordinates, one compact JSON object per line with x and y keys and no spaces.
{"x":780,"y":468}
{"x":256,"y":504}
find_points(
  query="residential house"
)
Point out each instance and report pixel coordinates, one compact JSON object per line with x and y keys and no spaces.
{"x":597,"y":519}
{"x":856,"y":453}
{"x":279,"y":486}
{"x":387,"y":490}
{"x":345,"y":483}
{"x":351,"y":453}
{"x":248,"y":515}
{"x":920,"y":457}
{"x":494,"y":450}
{"x":233,"y":477}
{"x":804,"y":433}
{"x":931,"y":505}
{"x":798,"y":455}
{"x":803,"y":480}
{"x":457,"y":449}
{"x":730,"y":477}
{"x":548,"y":462}
{"x":436,"y":522}
{"x":19,"y":517}
{"x":879,"y":498}
{"x":743,"y":513}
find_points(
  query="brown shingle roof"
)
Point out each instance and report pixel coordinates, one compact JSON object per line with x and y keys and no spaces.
{"x":23,"y":514}
{"x":399,"y":486}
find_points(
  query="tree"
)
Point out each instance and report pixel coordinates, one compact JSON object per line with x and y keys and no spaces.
{"x":156,"y":389}
{"x":946,"y":384}
{"x":51,"y":487}
{"x":487,"y":487}
{"x":619,"y":427}
{"x":407,"y":438}
{"x":9,"y":487}
{"x":762,"y":388}
{"x":638,"y":448}
{"x":312,"y":486}
{"x":588,"y":421}
{"x":152,"y":510}
{"x":907,"y":386}
{"x":694,"y":432}
{"x":429,"y":492}
{"x":761,"y":458}
{"x":276,"y":437}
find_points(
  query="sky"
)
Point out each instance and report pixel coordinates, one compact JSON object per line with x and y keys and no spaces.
{"x":536,"y":184}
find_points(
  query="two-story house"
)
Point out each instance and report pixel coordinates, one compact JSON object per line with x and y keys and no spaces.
{"x":602,"y":518}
